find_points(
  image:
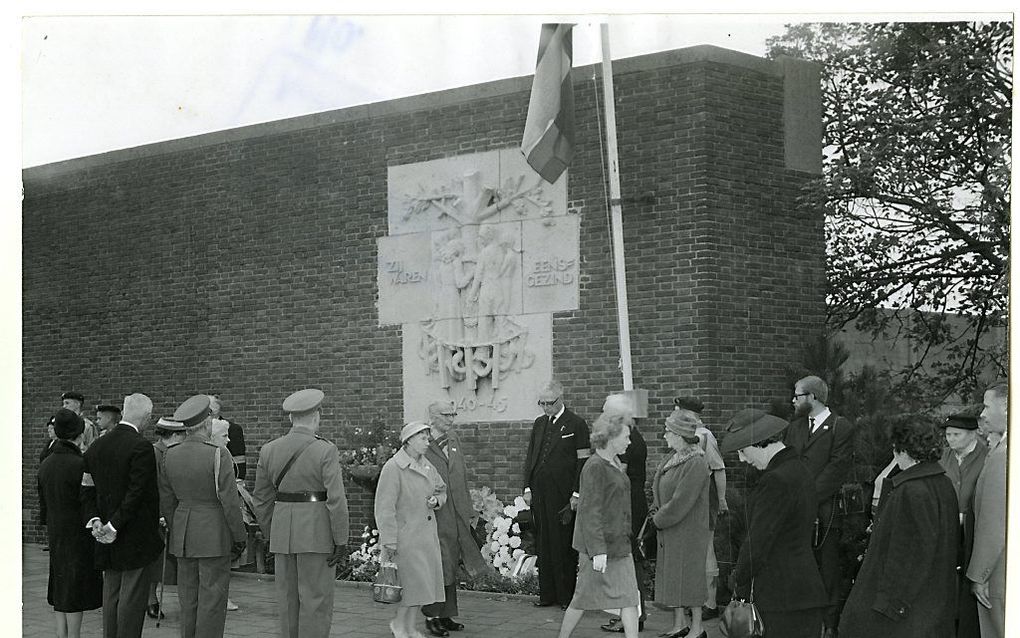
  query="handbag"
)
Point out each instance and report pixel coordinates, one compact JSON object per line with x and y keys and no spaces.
{"x":648,"y":539}
{"x":741,"y":619}
{"x":386,"y":588}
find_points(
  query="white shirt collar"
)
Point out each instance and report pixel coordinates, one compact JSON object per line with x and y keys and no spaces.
{"x":132,"y":425}
{"x":557,"y":416}
{"x":821,"y":417}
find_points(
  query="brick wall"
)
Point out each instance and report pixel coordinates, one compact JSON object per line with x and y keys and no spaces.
{"x":244,"y":263}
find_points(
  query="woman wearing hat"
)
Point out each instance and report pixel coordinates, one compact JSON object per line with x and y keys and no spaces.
{"x":776,"y":568}
{"x":907,"y":584}
{"x":680,"y":513}
{"x":606,"y":576}
{"x":74,"y":584}
{"x":409,"y":492}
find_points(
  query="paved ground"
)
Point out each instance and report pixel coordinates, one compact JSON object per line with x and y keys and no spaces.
{"x":488,"y":615}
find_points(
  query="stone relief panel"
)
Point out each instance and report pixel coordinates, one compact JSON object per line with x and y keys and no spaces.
{"x":480,"y":251}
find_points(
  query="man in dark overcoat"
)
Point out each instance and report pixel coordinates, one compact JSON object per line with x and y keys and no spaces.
{"x":120,"y":505}
{"x":557,"y":450}
{"x":453,"y":519}
{"x":962,"y":460}
{"x":775,"y":557}
{"x":824,"y":441}
{"x":198,"y":497}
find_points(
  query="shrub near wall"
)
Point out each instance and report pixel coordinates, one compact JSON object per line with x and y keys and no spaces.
{"x":244,"y":262}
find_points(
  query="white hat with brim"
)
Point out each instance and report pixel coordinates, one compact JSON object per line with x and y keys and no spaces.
{"x":412,"y":428}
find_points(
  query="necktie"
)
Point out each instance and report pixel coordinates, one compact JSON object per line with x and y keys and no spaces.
{"x":552,"y":421}
{"x":811,"y":422}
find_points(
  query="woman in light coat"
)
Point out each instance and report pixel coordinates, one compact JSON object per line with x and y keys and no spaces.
{"x":680,"y":513}
{"x":409,"y":492}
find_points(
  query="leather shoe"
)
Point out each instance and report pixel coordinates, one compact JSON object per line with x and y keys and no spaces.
{"x":152,"y":611}
{"x":543,"y":603}
{"x":435,"y":627}
{"x":451,"y":624}
{"x":615,"y":625}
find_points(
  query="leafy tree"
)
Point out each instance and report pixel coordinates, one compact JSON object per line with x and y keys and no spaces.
{"x":916,"y":186}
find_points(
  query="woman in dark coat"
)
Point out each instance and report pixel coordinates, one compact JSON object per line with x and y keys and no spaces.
{"x":75,"y":586}
{"x":776,"y":566}
{"x":907,"y":584}
{"x":680,"y":513}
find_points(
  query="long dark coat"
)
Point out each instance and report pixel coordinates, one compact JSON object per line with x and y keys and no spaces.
{"x":74,"y":582}
{"x":636,"y":460}
{"x":907,"y":584}
{"x":122,"y":468}
{"x":776,"y":554}
{"x":453,"y":519}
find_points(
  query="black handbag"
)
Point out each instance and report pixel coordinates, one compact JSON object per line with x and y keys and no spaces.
{"x":648,"y":539}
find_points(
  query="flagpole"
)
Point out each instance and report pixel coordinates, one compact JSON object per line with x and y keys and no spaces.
{"x":616,"y":213}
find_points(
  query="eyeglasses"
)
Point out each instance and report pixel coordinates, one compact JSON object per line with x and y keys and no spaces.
{"x":548,"y":404}
{"x":796,"y":395}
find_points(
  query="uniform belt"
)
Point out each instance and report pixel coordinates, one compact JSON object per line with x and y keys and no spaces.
{"x":300,"y":497}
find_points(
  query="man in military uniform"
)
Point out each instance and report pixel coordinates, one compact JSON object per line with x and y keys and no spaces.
{"x":107,"y":416}
{"x":453,"y":519}
{"x":301,"y":504}
{"x":73,"y":401}
{"x":199,"y":499}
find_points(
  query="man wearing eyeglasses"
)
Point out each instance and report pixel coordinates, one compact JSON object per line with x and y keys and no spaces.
{"x":557,"y":450}
{"x":453,"y":519}
{"x":824,"y":441}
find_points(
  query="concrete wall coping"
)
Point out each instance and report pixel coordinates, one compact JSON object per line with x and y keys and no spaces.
{"x":426,"y":101}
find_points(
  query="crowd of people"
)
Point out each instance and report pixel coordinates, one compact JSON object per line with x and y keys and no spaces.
{"x":125,"y":517}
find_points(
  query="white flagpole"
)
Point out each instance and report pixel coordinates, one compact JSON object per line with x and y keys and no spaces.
{"x":616,"y":213}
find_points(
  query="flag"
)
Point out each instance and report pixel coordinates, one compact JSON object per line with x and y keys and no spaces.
{"x":548,"y":143}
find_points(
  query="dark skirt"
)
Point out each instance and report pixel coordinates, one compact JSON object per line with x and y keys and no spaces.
{"x":802,"y":623}
{"x":74,"y":584}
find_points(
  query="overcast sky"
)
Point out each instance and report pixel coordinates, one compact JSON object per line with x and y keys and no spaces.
{"x":94,"y":84}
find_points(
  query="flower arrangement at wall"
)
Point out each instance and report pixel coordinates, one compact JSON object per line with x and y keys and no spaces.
{"x":365,"y":448}
{"x":364,"y":561}
{"x":505,"y":529}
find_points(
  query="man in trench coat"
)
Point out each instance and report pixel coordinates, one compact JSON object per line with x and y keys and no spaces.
{"x":453,"y":518}
{"x":301,"y":503}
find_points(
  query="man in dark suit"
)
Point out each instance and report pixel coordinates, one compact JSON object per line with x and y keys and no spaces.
{"x":775,"y":556}
{"x":453,"y":519}
{"x":824,"y":441}
{"x":962,"y":460}
{"x":557,"y":450}
{"x":120,"y":506}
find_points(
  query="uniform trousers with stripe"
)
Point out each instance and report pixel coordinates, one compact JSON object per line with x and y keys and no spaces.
{"x":304,"y":591}
{"x":202,"y":587}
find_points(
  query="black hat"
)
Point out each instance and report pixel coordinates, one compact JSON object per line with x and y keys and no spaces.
{"x":77,"y":396}
{"x":689,"y":403}
{"x":961,"y":420}
{"x":67,"y":424}
{"x":108,"y":407}
{"x":750,"y":426}
{"x":193,"y":411}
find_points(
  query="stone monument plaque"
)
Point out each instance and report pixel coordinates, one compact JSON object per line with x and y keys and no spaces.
{"x":480,"y":252}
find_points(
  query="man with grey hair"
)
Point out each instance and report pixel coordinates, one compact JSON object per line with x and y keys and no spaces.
{"x":120,"y":506}
{"x":824,"y":440}
{"x":557,"y":450}
{"x":987,"y":567}
{"x":453,"y":519}
{"x":199,"y":500}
